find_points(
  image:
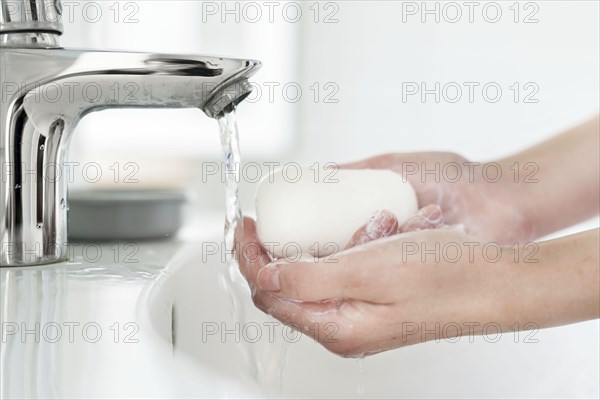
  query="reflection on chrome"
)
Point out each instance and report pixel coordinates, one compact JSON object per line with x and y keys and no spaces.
{"x":46,"y":90}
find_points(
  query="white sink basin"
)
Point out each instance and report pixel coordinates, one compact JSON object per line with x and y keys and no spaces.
{"x":563,"y":362}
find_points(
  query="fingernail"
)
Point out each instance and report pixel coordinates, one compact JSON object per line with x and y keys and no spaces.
{"x":382,"y":224}
{"x":268,"y":278}
{"x":432,"y":214}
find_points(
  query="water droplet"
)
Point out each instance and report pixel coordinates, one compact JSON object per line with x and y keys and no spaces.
{"x":361,"y":364}
{"x":17,"y":186}
{"x":42,"y":147}
{"x":39,"y":225}
{"x":63,"y":204}
{"x":360,"y":384}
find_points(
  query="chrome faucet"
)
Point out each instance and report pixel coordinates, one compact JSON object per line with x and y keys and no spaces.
{"x":47,"y":89}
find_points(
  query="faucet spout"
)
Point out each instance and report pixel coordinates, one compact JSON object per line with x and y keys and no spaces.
{"x":46,"y":91}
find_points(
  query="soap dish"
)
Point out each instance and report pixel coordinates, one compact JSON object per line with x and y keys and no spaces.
{"x":104,"y":215}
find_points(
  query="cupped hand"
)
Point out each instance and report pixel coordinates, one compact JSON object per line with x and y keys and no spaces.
{"x":480,"y":196}
{"x":379,"y":293}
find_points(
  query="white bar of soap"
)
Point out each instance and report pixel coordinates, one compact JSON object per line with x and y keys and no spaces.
{"x":316,"y":212}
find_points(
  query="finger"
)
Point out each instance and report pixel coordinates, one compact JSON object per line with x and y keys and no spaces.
{"x":428,"y":217}
{"x":250,"y":254}
{"x":384,"y":161}
{"x":382,"y":224}
{"x":347,"y":327}
{"x":312,"y":319}
{"x":348,"y":275}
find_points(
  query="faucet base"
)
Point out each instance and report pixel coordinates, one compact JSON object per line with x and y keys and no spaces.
{"x":29,"y":40}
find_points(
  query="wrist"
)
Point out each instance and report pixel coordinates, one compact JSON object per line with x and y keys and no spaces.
{"x":553,"y":282}
{"x":521,"y":294}
{"x":515,"y":186}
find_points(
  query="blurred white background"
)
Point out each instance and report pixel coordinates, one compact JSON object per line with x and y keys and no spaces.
{"x":351,"y":60}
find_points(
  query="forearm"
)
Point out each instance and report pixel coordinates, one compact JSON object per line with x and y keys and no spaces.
{"x":559,"y":284}
{"x":565,"y":188}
